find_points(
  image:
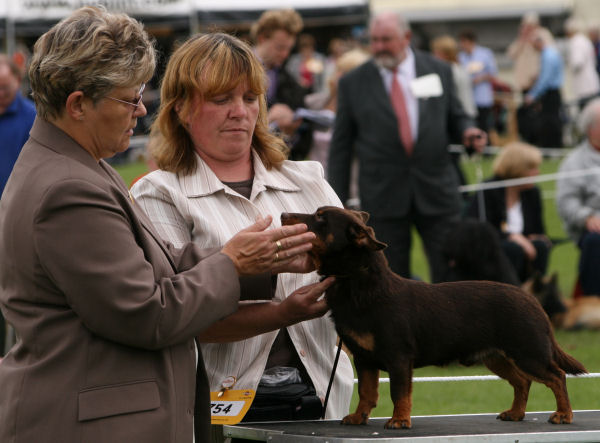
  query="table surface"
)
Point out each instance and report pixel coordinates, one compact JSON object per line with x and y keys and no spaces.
{"x":428,"y":429}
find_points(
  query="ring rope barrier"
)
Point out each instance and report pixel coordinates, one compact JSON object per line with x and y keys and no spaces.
{"x":527,"y":180}
{"x":475,"y":378}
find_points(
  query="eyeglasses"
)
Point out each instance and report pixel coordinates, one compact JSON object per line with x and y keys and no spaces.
{"x":137,"y":103}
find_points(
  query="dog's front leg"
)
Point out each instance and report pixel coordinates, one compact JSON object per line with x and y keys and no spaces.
{"x":368,"y":384}
{"x":401,"y":393}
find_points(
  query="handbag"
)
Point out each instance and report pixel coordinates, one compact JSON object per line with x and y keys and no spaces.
{"x":285,"y":401}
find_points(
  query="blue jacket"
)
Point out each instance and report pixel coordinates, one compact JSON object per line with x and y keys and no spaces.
{"x":14,"y":132}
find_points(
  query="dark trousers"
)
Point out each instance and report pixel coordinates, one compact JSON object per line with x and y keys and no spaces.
{"x":523,"y":266}
{"x":551,"y":125}
{"x":484,"y":118}
{"x":589,"y":263}
{"x":397,"y":234}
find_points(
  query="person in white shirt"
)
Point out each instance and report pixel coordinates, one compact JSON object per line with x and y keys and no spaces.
{"x":581,"y":60}
{"x":220,"y":168}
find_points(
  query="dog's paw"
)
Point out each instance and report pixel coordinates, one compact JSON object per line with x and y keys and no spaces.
{"x":558,"y":418}
{"x":355,"y":419}
{"x":511,"y":415}
{"x":398,"y":423}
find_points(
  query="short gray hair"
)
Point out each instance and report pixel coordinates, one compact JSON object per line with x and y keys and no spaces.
{"x":589,"y":115}
{"x":403,"y":24}
{"x":93,"y":51}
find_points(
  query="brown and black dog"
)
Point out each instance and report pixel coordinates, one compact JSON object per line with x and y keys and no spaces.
{"x":394,"y":324}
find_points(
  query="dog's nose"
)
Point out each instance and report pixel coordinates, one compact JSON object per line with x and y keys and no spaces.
{"x":284,"y":216}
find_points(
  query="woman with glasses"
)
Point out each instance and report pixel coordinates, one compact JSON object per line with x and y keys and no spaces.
{"x":105,"y":312}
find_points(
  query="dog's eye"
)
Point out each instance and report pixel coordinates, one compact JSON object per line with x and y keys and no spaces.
{"x":319,"y":218}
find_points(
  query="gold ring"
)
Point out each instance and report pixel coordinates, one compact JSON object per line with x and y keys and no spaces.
{"x":276,"y":256}
{"x":278,"y":244}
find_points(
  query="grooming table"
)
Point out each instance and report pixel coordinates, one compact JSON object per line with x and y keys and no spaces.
{"x":428,"y":429}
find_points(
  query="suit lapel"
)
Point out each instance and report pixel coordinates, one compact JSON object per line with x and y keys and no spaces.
{"x":380,"y":94}
{"x":141,"y":216}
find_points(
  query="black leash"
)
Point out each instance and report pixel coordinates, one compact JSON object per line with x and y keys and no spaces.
{"x":335,"y":363}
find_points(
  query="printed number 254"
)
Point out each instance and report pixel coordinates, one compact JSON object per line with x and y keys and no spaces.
{"x":220,"y":407}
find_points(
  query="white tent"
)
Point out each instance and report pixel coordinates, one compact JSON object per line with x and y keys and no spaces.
{"x":33,"y":17}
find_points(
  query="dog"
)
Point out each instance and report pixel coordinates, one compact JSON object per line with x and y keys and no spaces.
{"x":579,"y":313}
{"x":395,"y":324}
{"x":472,"y":251}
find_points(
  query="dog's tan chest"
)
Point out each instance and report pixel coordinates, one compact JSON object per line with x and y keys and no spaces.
{"x":365,"y":340}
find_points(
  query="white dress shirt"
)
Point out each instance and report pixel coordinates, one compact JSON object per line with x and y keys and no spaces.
{"x":201,"y":208}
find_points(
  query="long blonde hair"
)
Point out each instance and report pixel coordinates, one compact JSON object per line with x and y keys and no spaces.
{"x":205,"y":66}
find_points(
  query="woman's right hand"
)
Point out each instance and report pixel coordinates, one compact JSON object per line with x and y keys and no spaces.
{"x":306,"y":303}
{"x":525,"y":244}
{"x":592,"y":224}
{"x":255,"y":250}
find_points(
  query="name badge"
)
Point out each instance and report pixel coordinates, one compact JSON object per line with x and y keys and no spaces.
{"x":427,"y":86}
{"x":229,"y":407}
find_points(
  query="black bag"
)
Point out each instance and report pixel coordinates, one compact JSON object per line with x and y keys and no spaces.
{"x":295,"y":401}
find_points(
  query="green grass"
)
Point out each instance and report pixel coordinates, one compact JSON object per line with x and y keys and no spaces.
{"x":459,"y":397}
{"x":131,"y":171}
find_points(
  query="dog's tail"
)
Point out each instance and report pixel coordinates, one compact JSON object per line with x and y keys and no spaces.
{"x":566,"y":362}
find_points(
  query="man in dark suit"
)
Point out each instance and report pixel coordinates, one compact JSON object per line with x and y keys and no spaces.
{"x":274,"y":34}
{"x":406,"y":174}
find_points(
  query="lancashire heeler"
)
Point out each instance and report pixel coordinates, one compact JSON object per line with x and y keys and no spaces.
{"x":394,"y":324}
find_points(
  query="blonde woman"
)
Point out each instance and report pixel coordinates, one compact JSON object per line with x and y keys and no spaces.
{"x":220,"y":168}
{"x":517,"y":211}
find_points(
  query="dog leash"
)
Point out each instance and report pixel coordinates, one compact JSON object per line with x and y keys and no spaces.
{"x":335,"y":363}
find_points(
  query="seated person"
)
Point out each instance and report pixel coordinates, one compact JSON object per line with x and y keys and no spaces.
{"x":516,"y":211}
{"x":578,"y":198}
{"x":220,"y":168}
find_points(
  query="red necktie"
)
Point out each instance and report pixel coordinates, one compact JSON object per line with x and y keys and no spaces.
{"x":399,"y":105}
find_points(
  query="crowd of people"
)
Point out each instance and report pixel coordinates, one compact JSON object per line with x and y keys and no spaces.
{"x":131,"y":306}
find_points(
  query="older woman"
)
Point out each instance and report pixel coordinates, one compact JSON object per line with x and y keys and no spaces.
{"x":105,"y":312}
{"x":517,"y":211}
{"x":221,"y":168}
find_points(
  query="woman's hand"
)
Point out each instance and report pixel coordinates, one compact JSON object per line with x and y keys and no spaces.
{"x":258,"y":318}
{"x":298,"y":264}
{"x":304,"y":303}
{"x":525,"y":244}
{"x":592,"y":224}
{"x":255,"y":250}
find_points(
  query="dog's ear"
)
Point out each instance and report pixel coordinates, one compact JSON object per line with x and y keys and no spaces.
{"x":364,"y":236}
{"x":537,"y":282}
{"x":362,"y":214}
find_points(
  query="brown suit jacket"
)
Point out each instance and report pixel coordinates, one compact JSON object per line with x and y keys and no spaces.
{"x":104,"y":311}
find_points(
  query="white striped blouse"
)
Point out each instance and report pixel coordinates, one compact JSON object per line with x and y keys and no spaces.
{"x":201,"y":208}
